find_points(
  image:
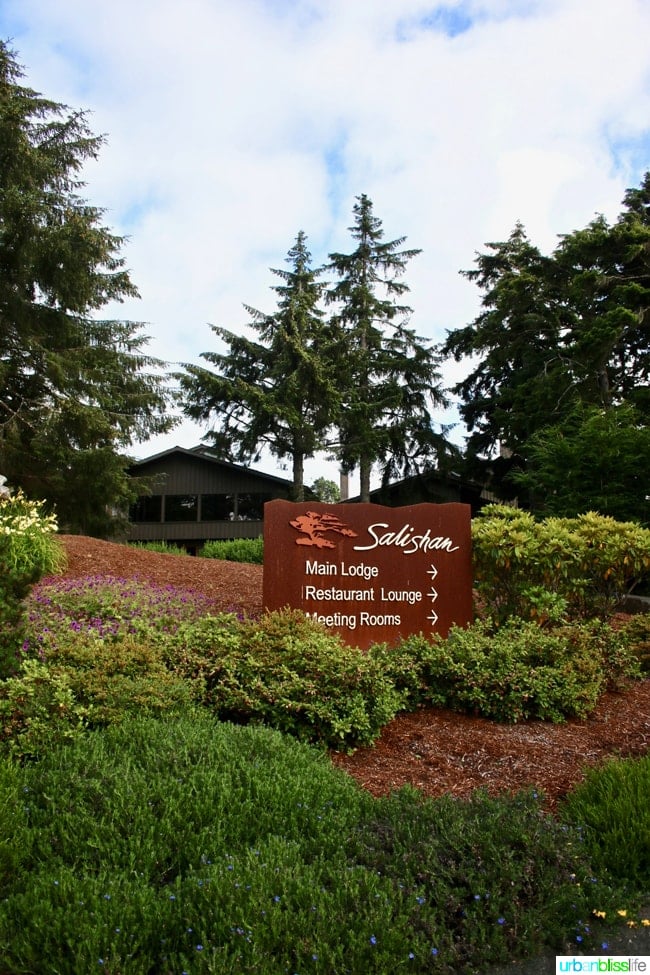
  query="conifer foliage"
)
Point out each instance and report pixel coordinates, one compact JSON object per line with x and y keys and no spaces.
{"x":75,"y":389}
{"x":356,"y":383}
{"x":277,"y":390}
{"x":560,"y":364}
{"x":389,"y":378}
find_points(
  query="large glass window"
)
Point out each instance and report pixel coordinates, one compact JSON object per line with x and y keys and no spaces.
{"x":250,"y":507}
{"x":217,"y":507}
{"x":147,"y":509}
{"x":181,"y":507}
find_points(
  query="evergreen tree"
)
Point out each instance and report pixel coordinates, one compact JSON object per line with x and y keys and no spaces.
{"x":595,"y":460}
{"x":75,"y":390}
{"x":557,"y":332}
{"x":277,"y":391}
{"x":387,"y":375}
{"x":516,"y":344}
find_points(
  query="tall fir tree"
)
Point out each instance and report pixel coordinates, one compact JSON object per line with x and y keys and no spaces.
{"x":559,"y":337}
{"x":388,"y":375}
{"x":279,"y":391}
{"x":516,"y":344}
{"x":75,"y":390}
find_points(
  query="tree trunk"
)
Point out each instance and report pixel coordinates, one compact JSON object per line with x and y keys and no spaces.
{"x":365,"y":466}
{"x":298,"y":492}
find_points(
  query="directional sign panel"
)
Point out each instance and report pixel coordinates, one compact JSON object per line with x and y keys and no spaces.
{"x":371,"y":573}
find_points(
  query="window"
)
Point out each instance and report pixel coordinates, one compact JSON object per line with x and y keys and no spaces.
{"x":147,"y":509}
{"x":181,"y":507}
{"x":217,"y":507}
{"x":250,"y":507}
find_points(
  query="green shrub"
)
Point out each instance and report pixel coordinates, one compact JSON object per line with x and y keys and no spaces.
{"x":501,"y":872}
{"x":637,"y":633}
{"x":559,"y":567}
{"x":190,"y":845}
{"x":520,"y":671}
{"x":289,"y":672}
{"x":612,"y":809}
{"x":38,"y":710}
{"x":113,"y":678}
{"x":235,"y":550}
{"x":162,"y":547}
{"x":29,"y":550}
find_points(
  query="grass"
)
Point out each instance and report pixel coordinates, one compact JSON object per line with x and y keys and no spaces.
{"x":167,"y":841}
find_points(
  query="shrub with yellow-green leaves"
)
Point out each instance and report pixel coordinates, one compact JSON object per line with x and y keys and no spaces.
{"x":558,"y":568}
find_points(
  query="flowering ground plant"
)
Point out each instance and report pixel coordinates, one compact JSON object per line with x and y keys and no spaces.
{"x":60,"y":610}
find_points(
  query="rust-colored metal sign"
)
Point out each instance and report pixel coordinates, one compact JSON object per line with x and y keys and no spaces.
{"x":371,"y":573}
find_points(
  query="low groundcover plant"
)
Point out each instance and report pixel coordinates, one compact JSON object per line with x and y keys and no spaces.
{"x":190,"y":845}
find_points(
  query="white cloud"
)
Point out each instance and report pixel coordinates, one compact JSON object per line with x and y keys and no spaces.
{"x":232,"y":124}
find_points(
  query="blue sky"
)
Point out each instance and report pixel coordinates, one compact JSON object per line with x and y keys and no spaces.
{"x":233,"y":124}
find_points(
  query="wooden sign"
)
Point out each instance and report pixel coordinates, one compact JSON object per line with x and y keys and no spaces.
{"x":371,"y":573}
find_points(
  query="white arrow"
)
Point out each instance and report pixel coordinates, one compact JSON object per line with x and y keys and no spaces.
{"x":433,"y":617}
{"x":433,"y":594}
{"x":433,"y":572}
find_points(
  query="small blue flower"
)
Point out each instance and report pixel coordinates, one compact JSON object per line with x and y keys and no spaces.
{"x":373,"y":940}
{"x":172,"y":897}
{"x":501,"y":920}
{"x":199,"y":947}
{"x":579,"y":938}
{"x":277,"y":898}
{"x":420,"y":900}
{"x":477,"y":897}
{"x":434,"y":951}
{"x":411,"y":955}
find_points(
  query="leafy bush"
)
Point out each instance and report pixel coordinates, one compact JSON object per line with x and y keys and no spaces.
{"x":575,"y":567}
{"x":101,"y":647}
{"x":162,"y":547}
{"x":637,"y":633}
{"x":190,"y":845}
{"x":611,"y":807}
{"x":235,"y":550}
{"x":38,"y":710}
{"x":114,"y":678}
{"x":519,"y":671}
{"x":289,"y":672}
{"x":488,"y":865}
{"x":28,"y":550}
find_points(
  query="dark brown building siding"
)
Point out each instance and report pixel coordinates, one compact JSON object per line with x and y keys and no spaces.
{"x":195,"y":497}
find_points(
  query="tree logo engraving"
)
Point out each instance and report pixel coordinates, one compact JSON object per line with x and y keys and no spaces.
{"x":313,"y":527}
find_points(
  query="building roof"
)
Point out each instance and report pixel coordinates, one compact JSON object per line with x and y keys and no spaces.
{"x":203,"y":453}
